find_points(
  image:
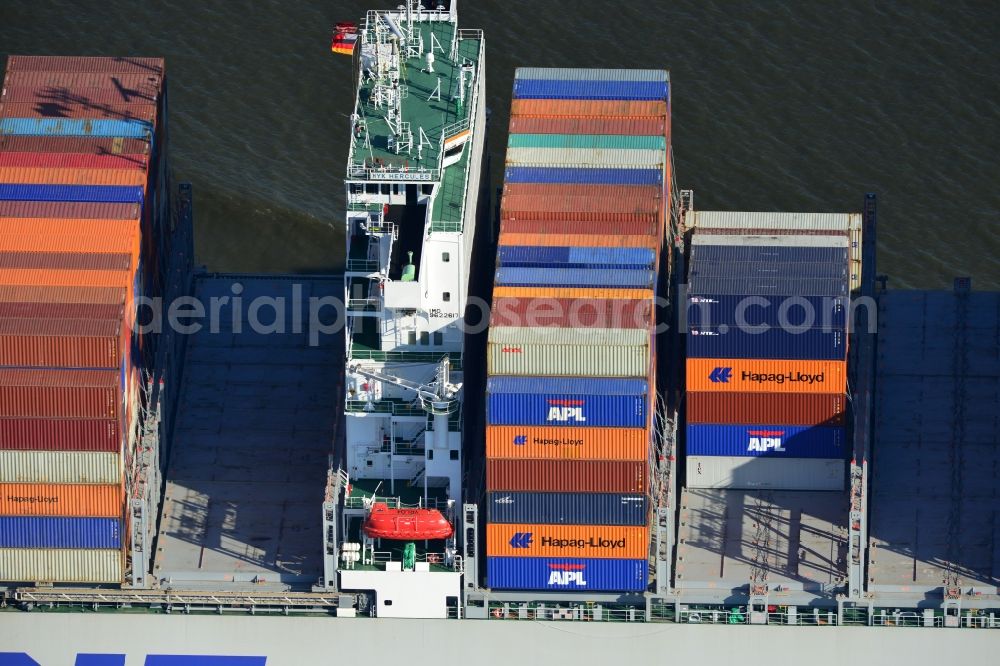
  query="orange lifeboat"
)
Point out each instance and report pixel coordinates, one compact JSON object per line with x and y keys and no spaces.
{"x":406,"y":524}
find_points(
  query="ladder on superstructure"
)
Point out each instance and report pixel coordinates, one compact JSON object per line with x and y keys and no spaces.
{"x":760,"y":544}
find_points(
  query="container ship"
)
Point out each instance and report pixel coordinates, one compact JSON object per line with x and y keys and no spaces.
{"x":595,"y":402}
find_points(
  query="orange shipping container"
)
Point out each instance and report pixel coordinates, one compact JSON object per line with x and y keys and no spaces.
{"x":587,"y":108}
{"x":65,"y":278}
{"x":521,"y":442}
{"x":766,"y":376}
{"x":618,"y":193}
{"x":579,"y":240}
{"x":570,"y":292}
{"x":87,"y":295}
{"x":61,"y":499}
{"x":72,"y":176}
{"x":104,"y":243}
{"x":45,"y":226}
{"x":583,"y":541}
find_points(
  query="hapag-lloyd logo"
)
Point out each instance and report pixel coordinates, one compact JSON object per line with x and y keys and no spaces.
{"x":565,"y":410}
{"x":765,"y":440}
{"x":567,"y":575}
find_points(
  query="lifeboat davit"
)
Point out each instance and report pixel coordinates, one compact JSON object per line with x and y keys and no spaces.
{"x":406,"y":524}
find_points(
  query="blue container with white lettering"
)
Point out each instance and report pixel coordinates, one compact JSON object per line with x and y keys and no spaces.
{"x":825,"y":312}
{"x":74,"y":193}
{"x":567,"y":508}
{"x":766,"y":441}
{"x":790,"y":269}
{"x":574,"y":277}
{"x":58,"y":532}
{"x":567,"y":574}
{"x":774,"y":343}
{"x":582,"y":176}
{"x":769,"y":286}
{"x":567,"y":401}
{"x":564,"y":89}
{"x":576,"y":257}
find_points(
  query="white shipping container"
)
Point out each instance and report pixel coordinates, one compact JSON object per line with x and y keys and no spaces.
{"x":582,"y":157}
{"x":60,"y":467}
{"x":839,"y":223}
{"x":560,"y":360}
{"x":746,"y":473}
{"x":553,"y":335}
{"x":770,"y":241}
{"x":60,"y":565}
{"x":573,"y":74}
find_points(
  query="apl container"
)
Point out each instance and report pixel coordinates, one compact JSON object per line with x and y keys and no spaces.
{"x":525,"y":442}
{"x":774,"y":343}
{"x":567,"y":476}
{"x":589,"y":541}
{"x":801,"y":409}
{"x":566,"y":573}
{"x":765,"y":376}
{"x":568,"y":508}
{"x":91,"y":145}
{"x":771,"y":441}
{"x":42,"y":160}
{"x":52,"y":532}
{"x":567,"y":401}
{"x":100,"y":64}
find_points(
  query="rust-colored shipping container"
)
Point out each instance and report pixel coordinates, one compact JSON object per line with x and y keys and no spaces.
{"x":531,"y":223}
{"x":583,"y":541}
{"x":61,"y":499}
{"x":567,"y":476}
{"x":61,"y":343}
{"x":738,"y":375}
{"x":555,"y":443}
{"x":572,"y":312}
{"x":73,"y":161}
{"x":105,"y":64}
{"x":70,"y":210}
{"x":621,"y":208}
{"x":61,"y":295}
{"x":587,"y":108}
{"x":89,"y":145}
{"x":70,"y":108}
{"x":27,"y":175}
{"x":646,"y":126}
{"x":619,"y":194}
{"x":69,"y":260}
{"x":131,"y":88}
{"x":51,"y":393}
{"x":572,"y":292}
{"x":98,"y":435}
{"x":580,"y":240}
{"x":56,"y":278}
{"x":826,"y":409}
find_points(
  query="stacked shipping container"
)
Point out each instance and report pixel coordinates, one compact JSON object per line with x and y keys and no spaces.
{"x":82,"y":201}
{"x":767,"y":349}
{"x":571,"y":354}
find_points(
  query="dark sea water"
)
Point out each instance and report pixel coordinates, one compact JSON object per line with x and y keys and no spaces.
{"x":781,"y":105}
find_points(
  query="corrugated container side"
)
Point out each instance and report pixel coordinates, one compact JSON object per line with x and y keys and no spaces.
{"x":599,"y":227}
{"x":31,"y":247}
{"x":808,"y":409}
{"x":582,"y":240}
{"x":81,"y":110}
{"x":567,"y":476}
{"x":90,"y":145}
{"x":34,"y":310}
{"x":133,"y":129}
{"x":65,"y":260}
{"x":562,"y":360}
{"x":609,"y":125}
{"x":67,"y":343}
{"x":714,"y":238}
{"x":775,"y":343}
{"x":587,"y":141}
{"x":65,"y":278}
{"x":575,"y":176}
{"x":103,"y":177}
{"x":766,"y":222}
{"x":60,"y":565}
{"x":31,"y":94}
{"x":59,"y":295}
{"x":74,"y":193}
{"x":768,"y":286}
{"x":590,"y":74}
{"x":574,"y":257}
{"x":27,"y":434}
{"x":528,"y":442}
{"x":650,"y":196}
{"x":101,"y":64}
{"x":765,"y":376}
{"x":765,"y":473}
{"x":551,"y":108}
{"x":37,"y":532}
{"x":776,"y":311}
{"x":563,"y":573}
{"x":70,"y":210}
{"x":773,"y":254}
{"x":576,"y":313}
{"x":85,"y":394}
{"x":591,"y":541}
{"x":554,"y":89}
{"x":568,"y":410}
{"x":765,"y":441}
{"x":583,"y":337}
{"x":756,"y":269}
{"x":581,"y":157}
{"x":73,"y":161}
{"x":568,"y":508}
{"x":61,"y":499}
{"x":574,"y":277}
{"x":59,"y":467}
{"x":559,"y":292}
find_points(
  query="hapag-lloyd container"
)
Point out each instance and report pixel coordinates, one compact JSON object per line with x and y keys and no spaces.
{"x":738,"y":472}
{"x":567,"y":401}
{"x":568,"y":292}
{"x":55,"y":434}
{"x":587,"y":108}
{"x":567,"y":476}
{"x":574,"y":175}
{"x":585,"y":207}
{"x":526,"y":442}
{"x":568,"y":352}
{"x":59,"y":467}
{"x":765,"y":376}
{"x":591,"y":541}
{"x":770,"y":441}
{"x":32,"y":247}
{"x":66,"y":565}
{"x":565,"y":125}
{"x":61,"y":499}
{"x":583,"y":192}
{"x":566,"y":573}
{"x":798,"y":409}
{"x":53,"y":532}
{"x":49,"y":393}
{"x":568,"y":508}
{"x":577,"y":313}
{"x":774,"y":343}
{"x":575,"y":277}
{"x":827,"y":312}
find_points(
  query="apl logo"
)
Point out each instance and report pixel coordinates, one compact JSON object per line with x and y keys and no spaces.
{"x":521,"y":540}
{"x":720,"y":375}
{"x":765,"y":440}
{"x":566,"y":410}
{"x":567,"y":574}
{"x":520,"y":440}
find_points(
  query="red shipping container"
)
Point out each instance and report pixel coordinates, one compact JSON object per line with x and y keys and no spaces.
{"x":34,"y":294}
{"x":130,"y":87}
{"x":588,"y":108}
{"x":571,"y":312}
{"x":581,"y":208}
{"x":36,"y":310}
{"x":73,"y":161}
{"x":649,"y":126}
{"x":71,"y":108}
{"x":98,"y":435}
{"x":68,"y":343}
{"x":67,"y":210}
{"x":105,"y":64}
{"x":90,"y":145}
{"x":809,"y":409}
{"x":567,"y":476}
{"x":650,"y":195}
{"x":67,"y":260}
{"x":50,"y":393}
{"x":529,"y":223}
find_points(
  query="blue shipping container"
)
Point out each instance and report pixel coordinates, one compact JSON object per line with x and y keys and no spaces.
{"x":566,"y":573}
{"x":129,"y":128}
{"x":562,"y":89}
{"x":53,"y":532}
{"x":775,"y":343}
{"x":574,"y":277}
{"x":75,"y":193}
{"x":828,"y":312}
{"x":793,"y":269}
{"x":770,"y":441}
{"x":569,"y":385}
{"x":567,"y":508}
{"x":768,"y":286}
{"x":637,"y":258}
{"x":567,"y":401}
{"x":775,"y":253}
{"x":583,"y":176}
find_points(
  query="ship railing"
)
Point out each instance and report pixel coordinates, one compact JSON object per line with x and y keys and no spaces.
{"x":435,"y":559}
{"x":385,"y":407}
{"x":361,"y":502}
{"x":364,"y":305}
{"x":407,"y":357}
{"x":391,"y":173}
{"x":585,"y":613}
